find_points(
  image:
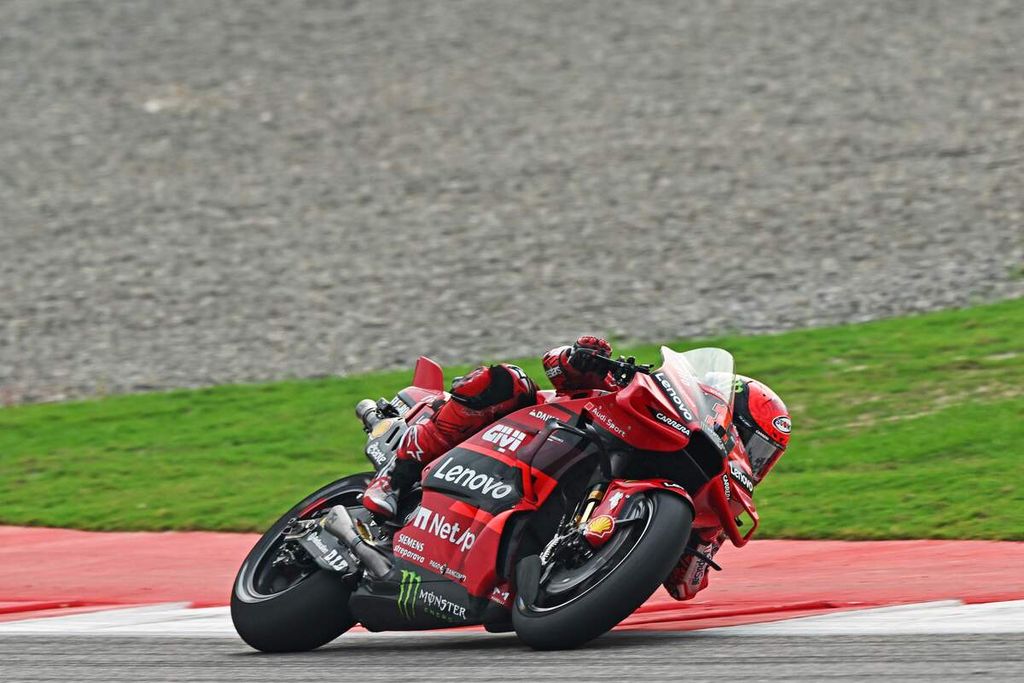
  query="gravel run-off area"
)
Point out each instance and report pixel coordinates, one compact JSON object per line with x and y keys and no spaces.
{"x":195,"y":193}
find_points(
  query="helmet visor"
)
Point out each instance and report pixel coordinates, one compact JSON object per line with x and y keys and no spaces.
{"x":762,"y":452}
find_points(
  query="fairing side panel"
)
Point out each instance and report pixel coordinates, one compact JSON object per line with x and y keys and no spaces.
{"x":412,"y":599}
{"x":455,"y":541}
{"x":471,"y":492}
{"x":666,"y":426}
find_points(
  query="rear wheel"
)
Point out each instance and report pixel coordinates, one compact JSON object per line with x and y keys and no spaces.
{"x":293,"y":605}
{"x":578,"y":601}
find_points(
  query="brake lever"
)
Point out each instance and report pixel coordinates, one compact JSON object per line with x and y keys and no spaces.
{"x":623,"y":369}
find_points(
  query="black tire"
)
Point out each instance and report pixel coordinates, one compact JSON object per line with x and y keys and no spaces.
{"x":615,"y":595}
{"x":310,"y":612}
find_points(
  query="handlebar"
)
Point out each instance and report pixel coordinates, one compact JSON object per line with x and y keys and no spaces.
{"x":366,"y":411}
{"x":623,"y":370}
{"x":371,"y":412}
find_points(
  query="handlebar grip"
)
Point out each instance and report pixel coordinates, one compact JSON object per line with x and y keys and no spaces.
{"x":592,"y":354}
{"x":607,"y":361}
{"x":623,"y":370}
{"x":366,"y":411}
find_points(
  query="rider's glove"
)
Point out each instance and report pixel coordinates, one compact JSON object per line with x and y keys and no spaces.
{"x":569,"y":370}
{"x":585,"y":362}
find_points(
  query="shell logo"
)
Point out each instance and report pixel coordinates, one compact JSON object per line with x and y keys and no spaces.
{"x":381,"y":427}
{"x":601,"y":526}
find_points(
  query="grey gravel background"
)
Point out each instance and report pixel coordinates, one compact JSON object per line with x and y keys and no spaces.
{"x":634,"y":657}
{"x":195,"y":192}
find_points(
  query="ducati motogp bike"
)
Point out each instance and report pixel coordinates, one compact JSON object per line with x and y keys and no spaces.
{"x":556,"y":521}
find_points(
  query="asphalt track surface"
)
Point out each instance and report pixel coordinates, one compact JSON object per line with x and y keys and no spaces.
{"x":618,"y":657}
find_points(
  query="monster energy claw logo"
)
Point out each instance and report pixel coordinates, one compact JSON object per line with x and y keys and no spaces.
{"x":408,"y":592}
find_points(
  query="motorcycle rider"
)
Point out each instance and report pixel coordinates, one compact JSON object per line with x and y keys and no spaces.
{"x":478,"y":399}
{"x":761,"y":427}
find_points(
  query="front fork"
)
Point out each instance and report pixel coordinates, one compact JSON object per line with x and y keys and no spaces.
{"x":571,"y":527}
{"x":590,"y":502}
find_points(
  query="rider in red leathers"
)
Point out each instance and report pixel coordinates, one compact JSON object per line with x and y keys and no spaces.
{"x":761,"y":427}
{"x":478,"y":399}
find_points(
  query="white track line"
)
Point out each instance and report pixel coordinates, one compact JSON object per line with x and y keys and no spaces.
{"x":171,"y":619}
{"x":178,"y":620}
{"x":944,"y":617}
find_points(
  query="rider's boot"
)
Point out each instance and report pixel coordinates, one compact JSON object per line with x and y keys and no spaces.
{"x":382,"y":495}
{"x":690,"y":576}
{"x":420,"y":445}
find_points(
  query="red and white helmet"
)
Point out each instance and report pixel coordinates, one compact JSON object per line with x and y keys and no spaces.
{"x":763,"y":423}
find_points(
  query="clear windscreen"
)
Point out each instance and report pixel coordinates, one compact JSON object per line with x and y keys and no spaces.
{"x":707,"y":377}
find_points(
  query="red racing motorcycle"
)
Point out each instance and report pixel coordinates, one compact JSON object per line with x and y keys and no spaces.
{"x":557,"y":521}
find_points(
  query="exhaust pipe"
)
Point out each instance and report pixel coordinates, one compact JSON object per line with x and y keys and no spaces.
{"x":339,"y":523}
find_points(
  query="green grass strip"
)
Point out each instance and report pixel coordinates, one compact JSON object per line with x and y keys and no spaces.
{"x":903,"y":428}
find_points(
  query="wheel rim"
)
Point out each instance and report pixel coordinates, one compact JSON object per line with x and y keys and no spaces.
{"x":259,"y":579}
{"x":567,"y":585}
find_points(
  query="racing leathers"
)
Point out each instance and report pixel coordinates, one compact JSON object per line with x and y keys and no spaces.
{"x":760,"y":435}
{"x":478,"y":399}
{"x":692,"y":572}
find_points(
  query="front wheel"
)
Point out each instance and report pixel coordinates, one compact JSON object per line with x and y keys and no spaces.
{"x":293,"y":606}
{"x":580,"y":601}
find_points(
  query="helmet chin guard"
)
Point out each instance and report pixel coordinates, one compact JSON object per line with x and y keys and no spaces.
{"x":763,"y":423}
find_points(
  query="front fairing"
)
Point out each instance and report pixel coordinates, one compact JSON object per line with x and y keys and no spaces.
{"x":699,"y":384}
